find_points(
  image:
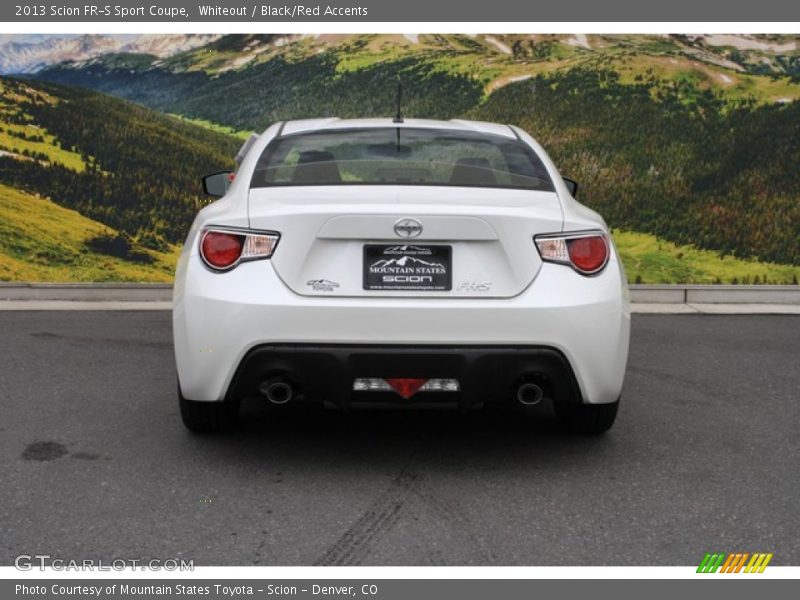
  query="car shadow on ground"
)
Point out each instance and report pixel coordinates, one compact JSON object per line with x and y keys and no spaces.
{"x":506,"y":434}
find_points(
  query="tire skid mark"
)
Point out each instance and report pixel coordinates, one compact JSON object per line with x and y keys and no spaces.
{"x":89,"y":339}
{"x":453,"y":512}
{"x":355,"y":544}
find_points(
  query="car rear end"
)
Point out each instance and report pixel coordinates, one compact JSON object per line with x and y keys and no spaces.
{"x":370,"y":263}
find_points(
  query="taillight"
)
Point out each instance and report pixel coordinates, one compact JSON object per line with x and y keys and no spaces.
{"x":586,"y":252}
{"x":223,"y":249}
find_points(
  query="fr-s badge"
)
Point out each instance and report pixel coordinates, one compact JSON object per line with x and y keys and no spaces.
{"x":322,"y":285}
{"x":474,"y":286}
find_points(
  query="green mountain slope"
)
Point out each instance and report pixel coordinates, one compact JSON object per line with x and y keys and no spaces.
{"x":41,"y":241}
{"x":282,"y":89}
{"x":693,"y":139}
{"x":649,"y":259}
{"x":691,"y":171}
{"x":128,"y":167}
{"x":248,"y":81}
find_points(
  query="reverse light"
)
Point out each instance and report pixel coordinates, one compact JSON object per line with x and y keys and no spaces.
{"x":224,"y":249}
{"x":406,"y":387}
{"x":587,"y":252}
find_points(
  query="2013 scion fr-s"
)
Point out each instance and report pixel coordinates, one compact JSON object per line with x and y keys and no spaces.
{"x":375,"y":262}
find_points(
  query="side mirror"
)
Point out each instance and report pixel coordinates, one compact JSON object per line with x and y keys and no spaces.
{"x":217,"y":184}
{"x":572,"y":186}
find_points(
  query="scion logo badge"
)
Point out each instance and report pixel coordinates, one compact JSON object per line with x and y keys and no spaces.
{"x":408,"y":228}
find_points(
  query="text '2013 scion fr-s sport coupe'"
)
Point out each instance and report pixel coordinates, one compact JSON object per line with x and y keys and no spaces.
{"x":380,"y":262}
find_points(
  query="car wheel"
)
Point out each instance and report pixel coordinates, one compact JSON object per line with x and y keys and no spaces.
{"x":587,"y":418}
{"x":207,"y":417}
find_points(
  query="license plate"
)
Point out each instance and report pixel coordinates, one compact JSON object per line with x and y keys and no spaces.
{"x":410,"y":267}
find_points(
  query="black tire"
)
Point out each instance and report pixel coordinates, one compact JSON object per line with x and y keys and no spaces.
{"x":207,"y":417}
{"x":590,"y":419}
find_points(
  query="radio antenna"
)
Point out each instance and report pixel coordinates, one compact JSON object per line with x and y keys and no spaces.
{"x":398,"y":118}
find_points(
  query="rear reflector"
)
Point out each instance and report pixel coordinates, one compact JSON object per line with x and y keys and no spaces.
{"x":406,"y":387}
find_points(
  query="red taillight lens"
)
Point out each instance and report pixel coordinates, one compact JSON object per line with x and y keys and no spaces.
{"x":223,"y":249}
{"x":220,"y":249}
{"x":588,"y":254}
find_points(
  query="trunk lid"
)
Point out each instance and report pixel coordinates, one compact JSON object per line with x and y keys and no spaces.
{"x":325,"y":229}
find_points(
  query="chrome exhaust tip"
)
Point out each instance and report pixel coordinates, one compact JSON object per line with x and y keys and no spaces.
{"x":529,"y":394}
{"x":277,"y":391}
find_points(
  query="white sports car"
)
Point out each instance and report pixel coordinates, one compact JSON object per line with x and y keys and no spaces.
{"x":357,"y":263}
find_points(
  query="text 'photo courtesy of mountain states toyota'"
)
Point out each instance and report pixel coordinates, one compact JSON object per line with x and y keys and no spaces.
{"x":398,"y":263}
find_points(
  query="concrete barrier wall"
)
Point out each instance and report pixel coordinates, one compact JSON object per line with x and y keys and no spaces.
{"x":716,"y":294}
{"x":105,"y":292}
{"x":643,"y":294}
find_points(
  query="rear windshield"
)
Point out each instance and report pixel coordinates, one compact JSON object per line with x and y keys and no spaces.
{"x":400,"y":156}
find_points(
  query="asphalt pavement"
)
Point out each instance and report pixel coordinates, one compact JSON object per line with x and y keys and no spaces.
{"x":94,"y":462}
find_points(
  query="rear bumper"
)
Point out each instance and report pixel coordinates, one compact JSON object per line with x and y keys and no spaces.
{"x":220,"y":320}
{"x":485,"y":374}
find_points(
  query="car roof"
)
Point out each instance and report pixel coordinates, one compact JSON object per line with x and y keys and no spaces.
{"x":332,"y":124}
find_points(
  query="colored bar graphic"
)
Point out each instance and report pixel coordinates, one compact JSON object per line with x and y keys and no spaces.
{"x":711,"y":562}
{"x":720,"y":558}
{"x":727,"y":566}
{"x":741,"y":562}
{"x":752,"y":562}
{"x":766,"y":562}
{"x":757,"y":566}
{"x":701,"y":568}
{"x":734,"y":562}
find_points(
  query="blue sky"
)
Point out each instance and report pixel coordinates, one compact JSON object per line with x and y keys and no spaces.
{"x":39,"y":37}
{"x":34,"y":37}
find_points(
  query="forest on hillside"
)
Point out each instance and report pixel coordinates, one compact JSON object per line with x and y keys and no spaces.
{"x":669,"y":159}
{"x":142,"y":169}
{"x":278,"y":89}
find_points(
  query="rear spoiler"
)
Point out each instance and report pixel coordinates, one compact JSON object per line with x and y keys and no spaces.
{"x":245,"y":148}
